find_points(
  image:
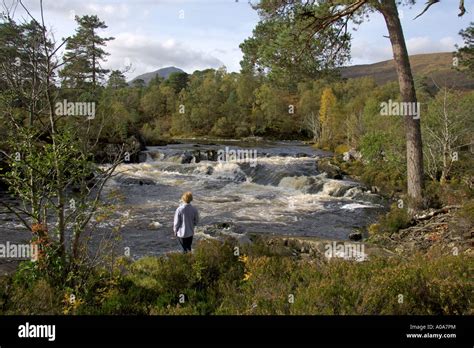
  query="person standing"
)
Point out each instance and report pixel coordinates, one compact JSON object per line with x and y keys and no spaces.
{"x":185,"y":219}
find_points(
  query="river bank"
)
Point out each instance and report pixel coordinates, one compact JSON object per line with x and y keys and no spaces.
{"x":261,"y":278}
{"x":289,"y":191}
{"x":293,"y":234}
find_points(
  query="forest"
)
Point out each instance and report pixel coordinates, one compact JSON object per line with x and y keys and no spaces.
{"x":290,"y":87}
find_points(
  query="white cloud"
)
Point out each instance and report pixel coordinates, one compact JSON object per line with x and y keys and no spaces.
{"x":425,"y":44}
{"x":65,"y":8}
{"x":146,"y":54}
{"x":365,"y":52}
{"x":108,"y":9}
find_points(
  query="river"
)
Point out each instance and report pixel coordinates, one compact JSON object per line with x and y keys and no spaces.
{"x":277,"y":189}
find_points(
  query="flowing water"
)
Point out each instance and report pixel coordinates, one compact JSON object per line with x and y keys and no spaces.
{"x":281,"y":191}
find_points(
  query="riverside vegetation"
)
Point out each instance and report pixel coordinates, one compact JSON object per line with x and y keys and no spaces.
{"x":432,"y":276}
{"x":262,"y":280}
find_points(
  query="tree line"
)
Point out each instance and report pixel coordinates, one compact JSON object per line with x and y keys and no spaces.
{"x":284,"y":91}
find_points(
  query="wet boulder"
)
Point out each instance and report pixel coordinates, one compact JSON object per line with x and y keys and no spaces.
{"x":186,"y":158}
{"x":136,"y":181}
{"x":355,"y":236}
{"x":211,"y":155}
{"x":332,"y":171}
{"x":351,"y":155}
{"x":197,"y":156}
{"x":130,"y":150}
{"x":222,"y":231}
{"x":301,"y":154}
{"x":303,"y":184}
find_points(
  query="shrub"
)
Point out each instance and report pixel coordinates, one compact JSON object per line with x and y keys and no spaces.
{"x":37,"y":298}
{"x":396,"y":219}
{"x":214,"y":280}
{"x":428,"y":286}
{"x":340,"y":149}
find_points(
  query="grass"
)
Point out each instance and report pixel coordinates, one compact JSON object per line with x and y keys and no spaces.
{"x":215,"y":280}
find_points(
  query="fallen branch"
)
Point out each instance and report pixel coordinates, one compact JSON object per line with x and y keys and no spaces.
{"x":428,"y":216}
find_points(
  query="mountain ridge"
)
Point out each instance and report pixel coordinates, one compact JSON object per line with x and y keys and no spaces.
{"x":163,"y":72}
{"x":437,"y":68}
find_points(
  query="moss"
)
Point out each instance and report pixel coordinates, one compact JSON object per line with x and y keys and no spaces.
{"x":340,"y":149}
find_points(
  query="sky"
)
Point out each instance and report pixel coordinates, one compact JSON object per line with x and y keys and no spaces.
{"x":199,"y":34}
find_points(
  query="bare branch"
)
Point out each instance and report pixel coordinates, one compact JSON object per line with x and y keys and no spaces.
{"x":11,"y":210}
{"x":462,"y":9}
{"x":429,"y":3}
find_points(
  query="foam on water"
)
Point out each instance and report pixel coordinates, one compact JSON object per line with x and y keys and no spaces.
{"x":282,"y":194}
{"x":353,"y":206}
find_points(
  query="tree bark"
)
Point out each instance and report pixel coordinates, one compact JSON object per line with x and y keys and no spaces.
{"x":389,"y":10}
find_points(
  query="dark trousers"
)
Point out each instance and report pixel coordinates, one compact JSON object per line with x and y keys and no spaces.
{"x":186,"y":243}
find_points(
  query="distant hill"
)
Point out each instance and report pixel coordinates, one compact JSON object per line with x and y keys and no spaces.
{"x":164,"y":72}
{"x":434,"y":66}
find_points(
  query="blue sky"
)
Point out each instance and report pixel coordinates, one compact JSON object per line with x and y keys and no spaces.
{"x":199,"y":34}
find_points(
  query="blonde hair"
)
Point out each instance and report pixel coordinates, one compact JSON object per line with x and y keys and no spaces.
{"x":187,"y":197}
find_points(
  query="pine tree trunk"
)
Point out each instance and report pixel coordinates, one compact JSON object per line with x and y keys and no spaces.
{"x":407,"y":91}
{"x":93,"y":65}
